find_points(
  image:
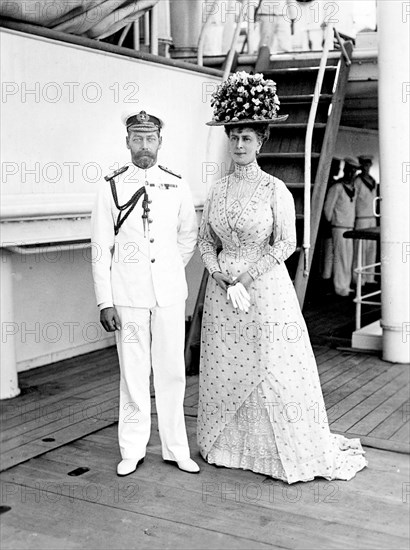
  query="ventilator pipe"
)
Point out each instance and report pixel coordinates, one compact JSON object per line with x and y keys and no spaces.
{"x":8,"y":366}
{"x":394,"y":102}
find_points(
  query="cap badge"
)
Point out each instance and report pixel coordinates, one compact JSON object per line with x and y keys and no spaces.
{"x":142,"y":117}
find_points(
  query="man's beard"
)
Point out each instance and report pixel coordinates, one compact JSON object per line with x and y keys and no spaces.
{"x":144,"y":159}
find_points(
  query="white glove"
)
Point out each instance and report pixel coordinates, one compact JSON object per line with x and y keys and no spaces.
{"x":239,"y":297}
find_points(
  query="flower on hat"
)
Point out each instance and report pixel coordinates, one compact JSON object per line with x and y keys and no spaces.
{"x":245,"y":96}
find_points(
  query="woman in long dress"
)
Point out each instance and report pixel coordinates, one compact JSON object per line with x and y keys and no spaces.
{"x":260,"y":402}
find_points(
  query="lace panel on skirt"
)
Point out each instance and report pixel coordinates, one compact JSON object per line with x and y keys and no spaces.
{"x":248,"y":441}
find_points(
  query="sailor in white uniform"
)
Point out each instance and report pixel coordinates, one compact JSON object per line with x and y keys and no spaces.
{"x":144,"y":232}
{"x":366,"y":190}
{"x":339,"y":210}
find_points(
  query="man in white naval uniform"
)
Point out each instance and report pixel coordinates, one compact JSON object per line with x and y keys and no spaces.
{"x":144,"y":232}
{"x":339,"y":210}
{"x":366,"y":190}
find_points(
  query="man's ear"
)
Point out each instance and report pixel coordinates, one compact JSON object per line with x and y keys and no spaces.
{"x":160,"y":142}
{"x":127,"y":141}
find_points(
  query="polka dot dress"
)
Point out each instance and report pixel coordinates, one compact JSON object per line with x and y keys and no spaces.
{"x":260,"y":404}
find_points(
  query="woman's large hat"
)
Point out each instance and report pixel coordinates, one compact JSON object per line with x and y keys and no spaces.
{"x":246,"y":99}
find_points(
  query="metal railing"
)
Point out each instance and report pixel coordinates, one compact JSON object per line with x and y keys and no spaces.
{"x":150,"y":21}
{"x":330,"y":34}
{"x":363,"y":299}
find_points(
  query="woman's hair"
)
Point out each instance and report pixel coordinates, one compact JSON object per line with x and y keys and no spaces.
{"x":261,"y":130}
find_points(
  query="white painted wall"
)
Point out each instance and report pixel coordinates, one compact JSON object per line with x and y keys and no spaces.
{"x":61,"y":133}
{"x":61,"y":129}
{"x":57,"y":143}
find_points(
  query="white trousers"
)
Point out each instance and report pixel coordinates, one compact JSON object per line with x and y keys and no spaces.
{"x":327,"y":258}
{"x":152,"y":338}
{"x":342,"y":261}
{"x":369,"y":250}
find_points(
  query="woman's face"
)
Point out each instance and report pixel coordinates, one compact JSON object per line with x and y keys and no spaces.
{"x":244,"y":145}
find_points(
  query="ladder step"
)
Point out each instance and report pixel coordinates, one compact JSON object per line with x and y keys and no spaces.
{"x":299,"y":125}
{"x":283,"y":71}
{"x":303,"y":98}
{"x":296,"y":185}
{"x":294,"y":155}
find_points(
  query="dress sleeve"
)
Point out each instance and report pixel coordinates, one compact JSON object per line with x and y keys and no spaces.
{"x":208,"y":240}
{"x":283,"y":231}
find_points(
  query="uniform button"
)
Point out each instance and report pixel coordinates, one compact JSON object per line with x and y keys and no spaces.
{"x":153,"y":260}
{"x":151,"y":240}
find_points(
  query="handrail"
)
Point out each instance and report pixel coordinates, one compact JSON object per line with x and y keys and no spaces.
{"x":342,"y":47}
{"x":232,"y":49}
{"x":124,"y":33}
{"x":98,"y":45}
{"x":308,"y":146}
{"x":201,"y":39}
{"x":153,"y":29}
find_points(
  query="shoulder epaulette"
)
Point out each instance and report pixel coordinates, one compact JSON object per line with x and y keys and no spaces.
{"x":116,"y":173}
{"x":169,"y":171}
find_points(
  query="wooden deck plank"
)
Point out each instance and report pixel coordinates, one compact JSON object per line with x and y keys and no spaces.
{"x":51,"y":392}
{"x":361,"y":393}
{"x":343,"y":371}
{"x":374,"y":397}
{"x":402,"y":433}
{"x":330,"y":359}
{"x":58,"y":521}
{"x":342,"y":390}
{"x":63,"y":432}
{"x":365,"y":374}
{"x":381,"y":412}
{"x":43,"y":411}
{"x":393,"y":466}
{"x":106,"y":358}
{"x":390,"y":425}
{"x":361,"y":513}
{"x":287,"y":518}
{"x":101,"y":448}
{"x":62,"y":417}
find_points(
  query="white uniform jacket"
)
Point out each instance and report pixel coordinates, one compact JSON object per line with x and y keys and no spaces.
{"x":339,"y":208}
{"x":136,"y":269}
{"x":365,"y":199}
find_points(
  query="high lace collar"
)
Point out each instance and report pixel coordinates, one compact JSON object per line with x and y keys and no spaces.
{"x":249,"y":171}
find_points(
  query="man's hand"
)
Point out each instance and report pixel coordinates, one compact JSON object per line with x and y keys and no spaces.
{"x":222,"y":280}
{"x":109,"y":319}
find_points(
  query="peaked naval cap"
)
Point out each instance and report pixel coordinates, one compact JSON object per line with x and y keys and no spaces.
{"x":142,"y":122}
